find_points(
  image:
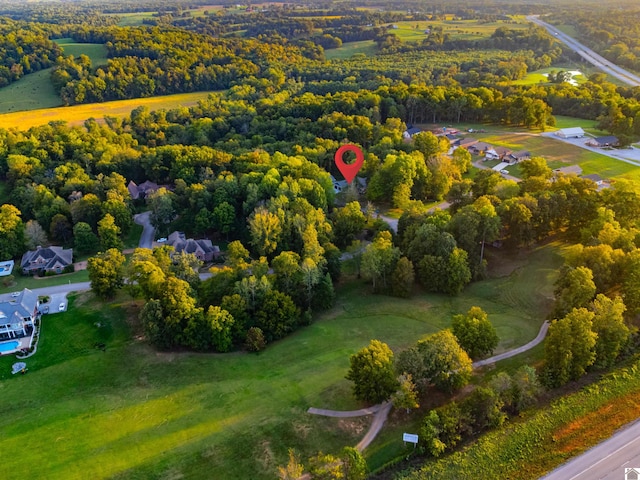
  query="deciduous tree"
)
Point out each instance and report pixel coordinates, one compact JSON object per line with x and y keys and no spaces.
{"x":475,"y":333}
{"x":106,"y":272}
{"x":372,"y":373}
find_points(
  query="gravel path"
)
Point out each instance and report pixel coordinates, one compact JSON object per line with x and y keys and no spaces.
{"x":382,"y":410}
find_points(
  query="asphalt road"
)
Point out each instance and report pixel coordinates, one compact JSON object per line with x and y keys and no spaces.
{"x":606,"y":461}
{"x":589,"y":55}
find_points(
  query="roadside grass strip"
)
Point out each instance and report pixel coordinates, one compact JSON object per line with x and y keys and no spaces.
{"x":546,"y":438}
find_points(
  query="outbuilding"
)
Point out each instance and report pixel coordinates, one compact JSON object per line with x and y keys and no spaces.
{"x":573,"y":132}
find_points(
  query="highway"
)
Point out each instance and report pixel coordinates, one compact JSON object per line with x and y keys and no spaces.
{"x":589,"y":55}
{"x":606,"y":461}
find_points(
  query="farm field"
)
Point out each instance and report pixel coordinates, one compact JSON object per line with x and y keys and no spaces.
{"x":130,"y":412}
{"x":77,"y":114}
{"x":457,"y":29}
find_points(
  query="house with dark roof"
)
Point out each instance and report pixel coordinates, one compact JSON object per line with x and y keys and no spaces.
{"x":18,"y":314}
{"x":594,"y":177}
{"x":204,"y":250}
{"x":410,"y":132}
{"x":518,"y":156}
{"x":142,"y":190}
{"x":46,"y":259}
{"x":479,"y":148}
{"x":602,"y":142}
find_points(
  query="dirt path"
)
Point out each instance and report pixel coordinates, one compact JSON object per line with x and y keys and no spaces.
{"x":382,"y":410}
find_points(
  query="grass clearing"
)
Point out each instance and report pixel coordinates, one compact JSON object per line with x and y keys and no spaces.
{"x":414,"y":31}
{"x":33,"y":91}
{"x":540,"y":76}
{"x":77,"y":114}
{"x":131,"y":412}
{"x":347,"y":50}
{"x":557,"y":152}
{"x":97,"y":52}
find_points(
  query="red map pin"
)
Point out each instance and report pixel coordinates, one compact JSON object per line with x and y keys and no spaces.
{"x":349,"y":170}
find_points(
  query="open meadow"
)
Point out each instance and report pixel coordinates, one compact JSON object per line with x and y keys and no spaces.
{"x":77,"y":114}
{"x":35,"y":91}
{"x":131,"y":412}
{"x":97,"y":52}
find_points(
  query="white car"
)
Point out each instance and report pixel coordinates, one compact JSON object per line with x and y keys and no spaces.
{"x":504,"y":172}
{"x":15,"y":294}
{"x":61,"y":307}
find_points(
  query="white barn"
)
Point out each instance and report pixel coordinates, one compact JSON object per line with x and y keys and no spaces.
{"x":573,"y":132}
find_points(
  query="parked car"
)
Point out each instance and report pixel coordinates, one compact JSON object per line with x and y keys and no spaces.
{"x":15,"y":294}
{"x":61,"y":307}
{"x":504,"y":172}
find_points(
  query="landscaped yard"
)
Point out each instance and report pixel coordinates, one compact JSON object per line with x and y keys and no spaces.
{"x":131,"y":412}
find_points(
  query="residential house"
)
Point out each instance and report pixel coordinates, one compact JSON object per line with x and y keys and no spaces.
{"x":573,"y":132}
{"x":18,"y":314}
{"x":497,"y":153}
{"x":46,"y":259}
{"x":594,"y":177}
{"x":410,"y":132}
{"x":142,"y":190}
{"x":203,"y":249}
{"x":518,"y":156}
{"x":479,"y":148}
{"x":602,"y":142}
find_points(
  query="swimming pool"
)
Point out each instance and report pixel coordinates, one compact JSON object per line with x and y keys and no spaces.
{"x":9,"y":346}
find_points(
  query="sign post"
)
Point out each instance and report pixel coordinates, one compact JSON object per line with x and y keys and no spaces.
{"x":411,"y":438}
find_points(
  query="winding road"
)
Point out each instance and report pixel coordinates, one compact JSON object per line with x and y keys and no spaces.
{"x":589,"y":55}
{"x":382,"y":410}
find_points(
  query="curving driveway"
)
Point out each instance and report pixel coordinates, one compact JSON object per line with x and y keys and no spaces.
{"x":144,"y":219}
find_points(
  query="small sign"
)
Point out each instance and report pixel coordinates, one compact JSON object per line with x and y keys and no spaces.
{"x":410,"y":437}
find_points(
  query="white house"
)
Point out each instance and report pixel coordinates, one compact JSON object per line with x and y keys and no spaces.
{"x":573,"y":132}
{"x":18,"y":314}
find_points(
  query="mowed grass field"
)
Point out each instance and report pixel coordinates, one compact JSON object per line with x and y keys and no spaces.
{"x":347,"y":50}
{"x":31,"y":92}
{"x":133,"y":413}
{"x":413,"y":31}
{"x":97,"y":52}
{"x":557,"y":153}
{"x":35,"y":91}
{"x":77,"y":114}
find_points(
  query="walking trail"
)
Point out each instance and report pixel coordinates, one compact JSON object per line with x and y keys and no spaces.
{"x":382,"y":410}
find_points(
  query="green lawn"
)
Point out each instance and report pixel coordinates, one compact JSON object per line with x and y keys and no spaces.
{"x":27,"y":281}
{"x":97,"y":52}
{"x":131,"y":413}
{"x":557,"y":152}
{"x":30,"y":92}
{"x":540,"y":76}
{"x":347,"y":50}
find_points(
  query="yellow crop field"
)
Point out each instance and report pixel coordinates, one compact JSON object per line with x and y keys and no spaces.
{"x":77,"y":114}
